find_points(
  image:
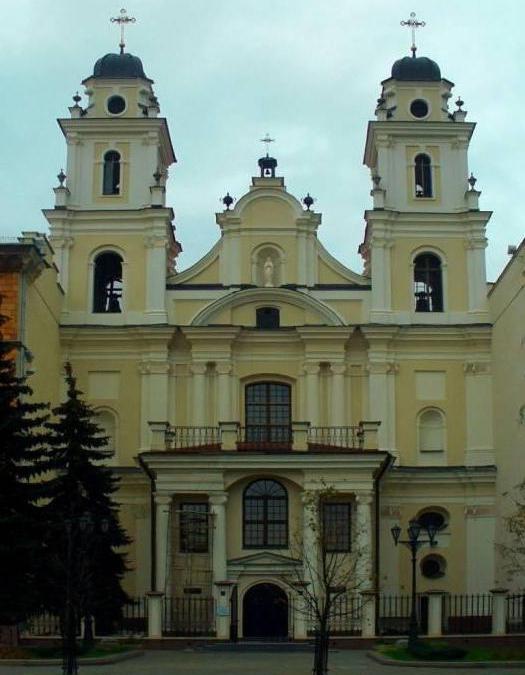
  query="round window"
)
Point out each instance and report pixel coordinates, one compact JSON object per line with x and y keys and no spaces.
{"x":433,"y":519}
{"x":433,"y":566}
{"x":419,"y":108}
{"x":116,"y":105}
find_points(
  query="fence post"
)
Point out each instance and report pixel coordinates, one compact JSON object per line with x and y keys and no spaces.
{"x":229,"y":434}
{"x":300,"y":435}
{"x":435,"y":613}
{"x":154,"y":614}
{"x":368,"y":613}
{"x":499,"y":611}
{"x":222,"y":609}
{"x":158,"y":435}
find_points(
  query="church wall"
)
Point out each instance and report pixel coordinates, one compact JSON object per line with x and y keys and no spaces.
{"x":9,"y":304}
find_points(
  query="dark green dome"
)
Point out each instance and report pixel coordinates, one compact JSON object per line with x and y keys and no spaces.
{"x":119,"y":66}
{"x":412,"y":68}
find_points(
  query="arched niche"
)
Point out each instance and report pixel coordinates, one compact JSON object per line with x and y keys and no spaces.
{"x":268,"y":266}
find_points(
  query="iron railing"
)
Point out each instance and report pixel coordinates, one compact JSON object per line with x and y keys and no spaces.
{"x":182,"y":438}
{"x":393,"y":614}
{"x":516,"y":613}
{"x":265,"y":438}
{"x":463,"y":614}
{"x":188,"y":616}
{"x":335,"y":437}
{"x":43,"y":624}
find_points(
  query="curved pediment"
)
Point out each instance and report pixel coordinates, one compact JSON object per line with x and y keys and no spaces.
{"x":317,"y":312}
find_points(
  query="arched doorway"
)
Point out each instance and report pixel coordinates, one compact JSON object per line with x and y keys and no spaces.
{"x":265,"y":613}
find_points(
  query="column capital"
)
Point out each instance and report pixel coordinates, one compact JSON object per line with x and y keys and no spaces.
{"x":223,"y":368}
{"x":163,"y":498}
{"x":338,"y":368}
{"x":311,"y":368}
{"x":198,"y":368}
{"x":218,"y":498}
{"x":364,"y":498}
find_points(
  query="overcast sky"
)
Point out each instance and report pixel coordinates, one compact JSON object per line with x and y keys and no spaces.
{"x":228,"y":71}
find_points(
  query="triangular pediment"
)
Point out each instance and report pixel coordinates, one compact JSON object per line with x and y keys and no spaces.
{"x":264,"y":559}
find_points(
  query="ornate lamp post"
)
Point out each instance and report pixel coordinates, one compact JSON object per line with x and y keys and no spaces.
{"x":414,"y":543}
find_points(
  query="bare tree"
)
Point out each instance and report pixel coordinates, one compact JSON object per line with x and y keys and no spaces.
{"x":513,"y":549}
{"x":334,"y":569}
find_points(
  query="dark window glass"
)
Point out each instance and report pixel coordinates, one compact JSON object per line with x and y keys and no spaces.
{"x":419,"y":108}
{"x":433,"y":566}
{"x":337,"y":526}
{"x":107,"y":291}
{"x":116,"y":105}
{"x":423,"y":176}
{"x":267,"y":317}
{"x":268,"y":412}
{"x":428,"y":283}
{"x":432,"y":519}
{"x":111,"y":179}
{"x":194,"y":528}
{"x":265,"y":521}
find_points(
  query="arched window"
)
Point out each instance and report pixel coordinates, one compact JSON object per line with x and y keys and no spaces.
{"x":428,"y":283}
{"x":107,"y":283}
{"x":111,"y":180}
{"x":265,"y":517}
{"x":431,"y":428}
{"x":423,"y":176}
{"x":268,"y":413}
{"x":267,"y":317}
{"x":108,"y":428}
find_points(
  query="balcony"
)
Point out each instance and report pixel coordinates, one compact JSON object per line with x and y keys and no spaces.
{"x":232,"y":437}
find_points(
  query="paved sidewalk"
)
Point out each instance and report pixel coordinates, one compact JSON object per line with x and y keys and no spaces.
{"x":249,"y":663}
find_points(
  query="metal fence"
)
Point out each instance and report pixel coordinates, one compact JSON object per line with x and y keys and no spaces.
{"x":516,"y":613}
{"x":347,"y":615}
{"x":335,"y":437}
{"x":188,"y":616}
{"x":181,"y":438}
{"x":463,"y":614}
{"x":393,"y":614}
{"x":43,"y":624}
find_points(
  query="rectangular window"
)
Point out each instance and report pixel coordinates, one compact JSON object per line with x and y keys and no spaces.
{"x":337,"y":526}
{"x":193,"y":527}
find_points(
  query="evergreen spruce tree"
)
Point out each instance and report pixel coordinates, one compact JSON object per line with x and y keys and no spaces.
{"x":84,"y":531}
{"x":22,"y":447}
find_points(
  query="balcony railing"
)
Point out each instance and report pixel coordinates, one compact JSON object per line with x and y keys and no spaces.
{"x":320,"y":438}
{"x":230,"y":436}
{"x":182,"y":438}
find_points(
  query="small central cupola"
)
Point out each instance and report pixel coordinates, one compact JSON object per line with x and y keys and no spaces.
{"x":267,"y":164}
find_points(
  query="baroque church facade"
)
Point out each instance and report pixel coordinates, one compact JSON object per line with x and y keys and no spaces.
{"x":268,"y":369}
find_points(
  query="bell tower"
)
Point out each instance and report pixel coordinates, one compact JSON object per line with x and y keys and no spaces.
{"x":111,"y":230}
{"x":424,"y":243}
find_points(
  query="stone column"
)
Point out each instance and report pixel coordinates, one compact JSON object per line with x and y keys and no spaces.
{"x":499,"y":611}
{"x":368,"y":614}
{"x":219,"y":562}
{"x":435,"y":613}
{"x":224,"y":407}
{"x":300,"y":615}
{"x":312,"y":392}
{"x":338,"y":417}
{"x":156,"y":266}
{"x":162,"y":510}
{"x":154,"y":614}
{"x":364,"y":539}
{"x":198,"y":371}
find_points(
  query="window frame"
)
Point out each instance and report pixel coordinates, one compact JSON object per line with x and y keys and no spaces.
{"x":183,"y":522}
{"x":250,"y":408}
{"x":265,"y":520}
{"x":427,"y":272}
{"x":426,"y":178}
{"x":274,"y":312}
{"x":108,"y":174}
{"x":325,"y":509}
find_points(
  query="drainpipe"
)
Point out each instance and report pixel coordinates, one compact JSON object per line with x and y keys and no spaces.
{"x":153,"y":548}
{"x":388,"y":462}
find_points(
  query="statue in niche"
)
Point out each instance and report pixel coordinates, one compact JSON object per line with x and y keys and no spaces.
{"x":268,"y":272}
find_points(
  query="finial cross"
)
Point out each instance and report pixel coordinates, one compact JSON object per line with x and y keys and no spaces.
{"x":267,"y":140}
{"x":122,"y":20}
{"x":413,"y":24}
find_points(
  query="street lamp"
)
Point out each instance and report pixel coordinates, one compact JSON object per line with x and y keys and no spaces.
{"x":414,"y":543}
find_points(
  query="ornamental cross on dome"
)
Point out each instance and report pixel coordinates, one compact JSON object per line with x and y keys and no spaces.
{"x":413,"y":24}
{"x":267,"y":140}
{"x":122,"y":20}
